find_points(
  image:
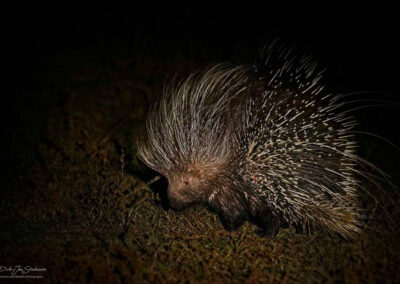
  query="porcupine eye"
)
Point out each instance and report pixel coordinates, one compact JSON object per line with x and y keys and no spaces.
{"x":186,"y":182}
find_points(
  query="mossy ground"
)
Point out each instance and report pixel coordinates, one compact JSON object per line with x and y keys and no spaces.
{"x":74,"y":197}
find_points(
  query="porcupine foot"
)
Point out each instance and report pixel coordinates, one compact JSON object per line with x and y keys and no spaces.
{"x":269,"y":224}
{"x":232,"y":222}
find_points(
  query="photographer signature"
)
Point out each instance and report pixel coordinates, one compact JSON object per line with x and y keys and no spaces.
{"x":20,"y":271}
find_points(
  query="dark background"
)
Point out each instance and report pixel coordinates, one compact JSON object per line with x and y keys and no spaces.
{"x":358,"y":44}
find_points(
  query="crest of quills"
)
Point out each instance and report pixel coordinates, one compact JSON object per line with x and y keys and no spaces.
{"x":261,"y":143}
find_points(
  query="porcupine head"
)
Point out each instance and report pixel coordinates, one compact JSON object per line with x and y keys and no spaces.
{"x":258,"y":143}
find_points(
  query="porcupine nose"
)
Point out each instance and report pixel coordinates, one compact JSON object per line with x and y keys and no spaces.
{"x":175,"y":202}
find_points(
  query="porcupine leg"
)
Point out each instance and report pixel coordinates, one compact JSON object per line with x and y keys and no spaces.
{"x":268,"y":222}
{"x":231,"y":209}
{"x":232,"y":222}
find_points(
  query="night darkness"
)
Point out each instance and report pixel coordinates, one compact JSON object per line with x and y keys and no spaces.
{"x":73,"y":195}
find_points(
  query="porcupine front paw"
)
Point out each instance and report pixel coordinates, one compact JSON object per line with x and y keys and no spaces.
{"x":232,"y":222}
{"x":269,"y":225}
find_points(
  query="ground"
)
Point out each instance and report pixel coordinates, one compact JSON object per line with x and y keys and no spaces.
{"x":76,"y":201}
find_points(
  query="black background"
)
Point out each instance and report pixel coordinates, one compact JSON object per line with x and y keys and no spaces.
{"x":357,"y":43}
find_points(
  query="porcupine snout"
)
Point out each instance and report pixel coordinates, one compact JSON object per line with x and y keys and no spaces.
{"x":178,"y":197}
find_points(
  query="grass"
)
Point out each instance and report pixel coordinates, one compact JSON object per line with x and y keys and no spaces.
{"x":80,"y":205}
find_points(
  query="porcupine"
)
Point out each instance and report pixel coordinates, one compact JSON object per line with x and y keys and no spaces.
{"x":259,"y":143}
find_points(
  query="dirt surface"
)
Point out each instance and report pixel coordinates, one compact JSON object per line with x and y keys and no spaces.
{"x":76,"y":201}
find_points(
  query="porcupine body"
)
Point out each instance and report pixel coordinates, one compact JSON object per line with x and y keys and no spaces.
{"x":259,"y":143}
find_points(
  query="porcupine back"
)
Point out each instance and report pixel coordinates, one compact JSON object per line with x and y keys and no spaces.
{"x":270,"y":136}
